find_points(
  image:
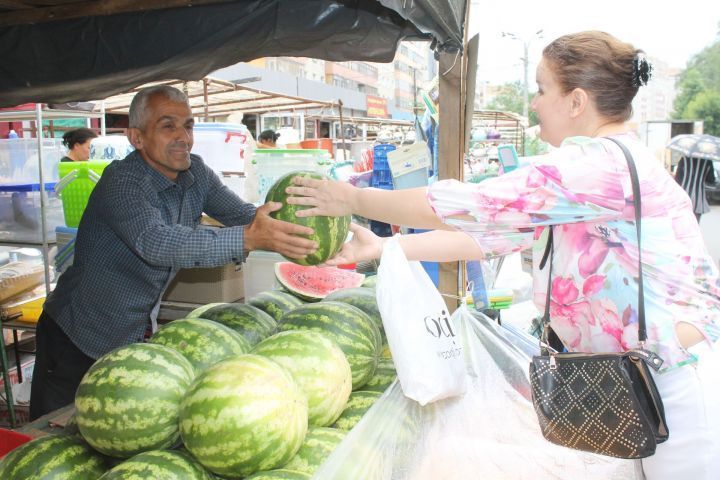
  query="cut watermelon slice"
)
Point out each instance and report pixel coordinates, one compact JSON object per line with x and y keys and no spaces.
{"x":314,"y":283}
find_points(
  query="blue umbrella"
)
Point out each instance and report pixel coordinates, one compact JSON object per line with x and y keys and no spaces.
{"x":695,"y":145}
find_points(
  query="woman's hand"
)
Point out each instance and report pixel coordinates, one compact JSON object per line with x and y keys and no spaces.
{"x":325,"y":197}
{"x":365,"y":245}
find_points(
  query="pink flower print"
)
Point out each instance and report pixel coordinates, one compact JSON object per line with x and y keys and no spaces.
{"x":536,"y":179}
{"x":571,"y":322}
{"x":629,"y":337}
{"x":606,"y":314}
{"x":593,"y":284}
{"x":604,"y":342}
{"x":592,"y":257}
{"x":629,"y":316}
{"x":564,"y":290}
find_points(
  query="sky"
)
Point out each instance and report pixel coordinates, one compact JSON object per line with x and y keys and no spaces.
{"x":670,"y":31}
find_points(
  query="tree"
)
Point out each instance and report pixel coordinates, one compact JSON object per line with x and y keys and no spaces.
{"x":510,"y":99}
{"x":699,"y":90}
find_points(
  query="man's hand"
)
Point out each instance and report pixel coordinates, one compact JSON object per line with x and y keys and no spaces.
{"x":267,"y":233}
{"x":365,"y":245}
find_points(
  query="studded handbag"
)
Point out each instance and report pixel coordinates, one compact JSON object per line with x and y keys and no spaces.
{"x":604,"y":403}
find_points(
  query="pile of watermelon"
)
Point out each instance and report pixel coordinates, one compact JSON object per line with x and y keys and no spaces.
{"x":263,"y":390}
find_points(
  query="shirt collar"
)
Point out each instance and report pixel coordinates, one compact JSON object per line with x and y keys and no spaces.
{"x":159,"y":181}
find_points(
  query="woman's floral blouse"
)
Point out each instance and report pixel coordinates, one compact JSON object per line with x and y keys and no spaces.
{"x":583,"y":190}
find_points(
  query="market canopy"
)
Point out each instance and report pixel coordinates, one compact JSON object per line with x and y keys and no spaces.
{"x":212,"y":97}
{"x":57,"y":51}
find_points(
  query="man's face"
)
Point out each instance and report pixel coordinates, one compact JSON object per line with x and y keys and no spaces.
{"x":166,"y":138}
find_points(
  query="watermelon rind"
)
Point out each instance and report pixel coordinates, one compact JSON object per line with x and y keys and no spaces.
{"x":250,"y":322}
{"x":370,"y":282}
{"x":358,"y":404}
{"x":159,"y":465}
{"x":318,"y":445}
{"x":243,"y":415}
{"x":319,"y":368}
{"x":53,"y":457}
{"x":129,"y":400}
{"x":354,"y":332}
{"x":362,"y":298}
{"x":329,"y":232}
{"x":202,"y":342}
{"x":279,"y":474}
{"x":197,"y":313}
{"x":314,"y":283}
{"x":385,"y":375}
{"x":275,"y":303}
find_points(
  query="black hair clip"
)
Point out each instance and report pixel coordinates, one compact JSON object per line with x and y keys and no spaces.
{"x":642,"y":71}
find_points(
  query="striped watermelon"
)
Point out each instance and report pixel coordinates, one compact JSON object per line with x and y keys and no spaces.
{"x":250,"y":322}
{"x":197,"y":313}
{"x":128,"y":401}
{"x":243,"y":415}
{"x":53,"y":457}
{"x":362,"y":298}
{"x":318,"y":445}
{"x":275,"y":302}
{"x":385,"y":374}
{"x":314,"y":283}
{"x":202,"y":342}
{"x":329,"y":232}
{"x":319,"y":368}
{"x":159,"y":465}
{"x":358,"y":404}
{"x":370,"y":281}
{"x":279,"y":474}
{"x":353,"y":331}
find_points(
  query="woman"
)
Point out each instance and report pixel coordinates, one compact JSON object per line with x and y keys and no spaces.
{"x":586,"y":85}
{"x":78,"y":144}
{"x":692,"y":174}
{"x":268,"y":139}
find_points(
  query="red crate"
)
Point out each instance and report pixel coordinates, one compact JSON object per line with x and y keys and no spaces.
{"x":10,"y":440}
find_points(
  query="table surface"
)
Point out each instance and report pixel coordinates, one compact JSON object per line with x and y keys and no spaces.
{"x":19,"y":325}
{"x":52,"y":423}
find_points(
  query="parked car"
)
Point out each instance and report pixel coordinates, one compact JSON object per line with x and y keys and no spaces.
{"x":712,"y":189}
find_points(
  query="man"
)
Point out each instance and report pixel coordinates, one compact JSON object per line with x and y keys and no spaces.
{"x":140,"y":226}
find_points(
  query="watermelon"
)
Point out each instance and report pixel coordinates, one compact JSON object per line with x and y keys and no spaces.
{"x":370,"y":282}
{"x":202,"y":342}
{"x":197,"y":313}
{"x":274,"y":302}
{"x":318,"y":445}
{"x":279,"y":474}
{"x":358,"y":404}
{"x":314,"y":283}
{"x":319,"y":368}
{"x":329,"y":232}
{"x":348,"y":326}
{"x":385,"y":374}
{"x":243,"y":415}
{"x":51,"y":457}
{"x":128,"y":401}
{"x":362,"y":298}
{"x":250,"y":322}
{"x":159,"y":465}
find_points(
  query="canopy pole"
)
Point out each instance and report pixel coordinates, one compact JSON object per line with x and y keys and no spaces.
{"x":342,"y":129}
{"x":205,"y":99}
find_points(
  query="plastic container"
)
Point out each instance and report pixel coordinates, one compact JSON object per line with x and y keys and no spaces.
{"x":222,"y":146}
{"x":318,"y":143}
{"x":259,"y":273}
{"x":271,"y":164}
{"x":78,"y":179}
{"x":110,"y":147}
{"x":65,"y":237}
{"x":10,"y":440}
{"x":19,"y":160}
{"x":21,"y":214}
{"x":381,"y":176}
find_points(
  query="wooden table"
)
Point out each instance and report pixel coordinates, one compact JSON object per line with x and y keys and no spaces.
{"x":53,"y":423}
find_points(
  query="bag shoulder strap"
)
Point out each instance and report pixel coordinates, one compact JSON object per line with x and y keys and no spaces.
{"x":634,"y":180}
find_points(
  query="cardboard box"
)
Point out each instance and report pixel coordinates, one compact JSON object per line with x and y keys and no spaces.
{"x":207,"y":285}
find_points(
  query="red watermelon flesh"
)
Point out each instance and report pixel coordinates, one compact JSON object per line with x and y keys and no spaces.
{"x":314,"y":283}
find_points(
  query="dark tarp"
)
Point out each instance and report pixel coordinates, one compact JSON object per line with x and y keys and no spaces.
{"x":94,"y":57}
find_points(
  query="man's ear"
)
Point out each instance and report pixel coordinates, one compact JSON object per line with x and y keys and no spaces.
{"x":135,"y":137}
{"x":578,"y":102}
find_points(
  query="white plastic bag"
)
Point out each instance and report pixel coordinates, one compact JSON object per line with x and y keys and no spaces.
{"x":427,"y":353}
{"x":490,"y":432}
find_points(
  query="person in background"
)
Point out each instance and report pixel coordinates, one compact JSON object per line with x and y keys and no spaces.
{"x":692,"y":174}
{"x":78,"y":144}
{"x":268,"y":139}
{"x":582,"y":189}
{"x":140,"y":226}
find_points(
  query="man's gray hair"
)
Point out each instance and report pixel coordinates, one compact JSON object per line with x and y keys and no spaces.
{"x":138,"y":106}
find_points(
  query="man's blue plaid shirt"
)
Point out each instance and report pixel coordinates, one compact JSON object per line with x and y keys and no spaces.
{"x":137,"y":228}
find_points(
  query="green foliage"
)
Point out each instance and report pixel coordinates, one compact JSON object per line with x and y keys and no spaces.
{"x":510,"y":99}
{"x":699,"y":89}
{"x":534,"y":146}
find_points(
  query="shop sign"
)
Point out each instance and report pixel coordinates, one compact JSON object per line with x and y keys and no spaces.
{"x":376,"y":107}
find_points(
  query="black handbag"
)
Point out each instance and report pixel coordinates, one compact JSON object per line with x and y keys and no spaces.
{"x":604,"y":403}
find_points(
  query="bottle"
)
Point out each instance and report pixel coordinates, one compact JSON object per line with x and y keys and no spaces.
{"x":12,"y":134}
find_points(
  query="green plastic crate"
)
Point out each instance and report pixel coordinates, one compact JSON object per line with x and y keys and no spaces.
{"x":77,"y":181}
